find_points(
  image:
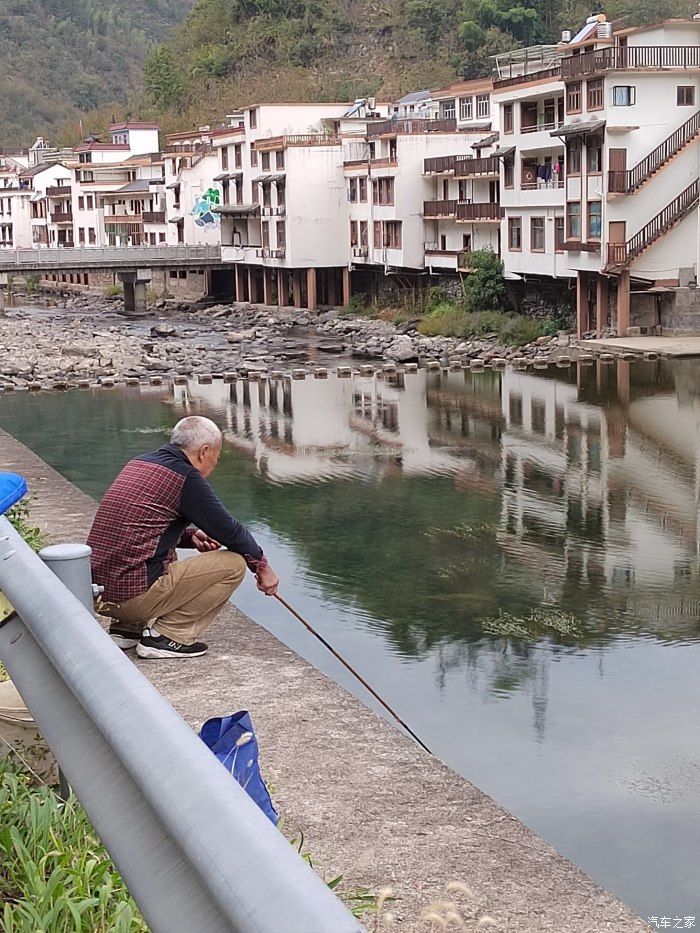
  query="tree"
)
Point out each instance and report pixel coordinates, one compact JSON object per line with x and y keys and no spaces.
{"x":164,"y":80}
{"x":484,"y":288}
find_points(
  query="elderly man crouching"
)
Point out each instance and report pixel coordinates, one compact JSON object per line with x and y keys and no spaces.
{"x":159,"y":604}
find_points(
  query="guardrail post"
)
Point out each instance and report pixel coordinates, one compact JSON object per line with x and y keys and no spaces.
{"x":71,"y":564}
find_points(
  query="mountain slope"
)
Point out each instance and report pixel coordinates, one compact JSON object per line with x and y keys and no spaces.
{"x":63,"y":57}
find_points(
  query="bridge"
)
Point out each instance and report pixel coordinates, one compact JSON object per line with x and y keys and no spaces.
{"x":132,"y":264}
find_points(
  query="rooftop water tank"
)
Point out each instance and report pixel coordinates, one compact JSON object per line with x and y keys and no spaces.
{"x":566,"y":35}
{"x":604,"y":31}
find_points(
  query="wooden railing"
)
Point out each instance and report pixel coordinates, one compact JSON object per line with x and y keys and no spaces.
{"x":476,"y":212}
{"x":411,"y":127}
{"x":625,"y":182}
{"x":439,"y":208}
{"x":631,"y":56}
{"x":620,"y":254}
{"x":58,"y":191}
{"x":467,"y":168}
{"x":153,"y":217}
{"x":544,"y":74}
{"x":273,"y":143}
{"x":62,"y":217}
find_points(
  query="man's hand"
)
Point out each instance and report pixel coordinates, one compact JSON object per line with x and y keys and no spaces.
{"x":203,"y":542}
{"x":268,"y":581}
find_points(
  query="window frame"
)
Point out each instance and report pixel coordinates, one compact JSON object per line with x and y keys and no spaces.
{"x":508,"y":118}
{"x":589,"y":235}
{"x":515,"y":223}
{"x":483,"y":111}
{"x":466,"y":108}
{"x":559,"y":232}
{"x":576,"y":147}
{"x":570,"y":235}
{"x":685,"y":88}
{"x":539,"y":220}
{"x":574,"y":92}
{"x":598,"y":150}
{"x":631,"y":95}
{"x":595,"y":91}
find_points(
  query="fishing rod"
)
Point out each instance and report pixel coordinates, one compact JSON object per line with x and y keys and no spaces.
{"x":352,"y":670}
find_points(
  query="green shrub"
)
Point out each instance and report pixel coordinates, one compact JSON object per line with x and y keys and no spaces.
{"x":113,"y":291}
{"x":484,"y":288}
{"x":18,"y":516}
{"x":451,"y":320}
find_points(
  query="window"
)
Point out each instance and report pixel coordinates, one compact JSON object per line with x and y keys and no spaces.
{"x":573,"y":97}
{"x":352,"y":190}
{"x":266,"y":234}
{"x":267,"y":195}
{"x":89,"y":202}
{"x":281,"y":194}
{"x":279,"y":159}
{"x":265,"y":161}
{"x":515,"y":233}
{"x":81,"y":203}
{"x":87,"y":176}
{"x":467,"y":242}
{"x":482,"y":105}
{"x":253,"y":155}
{"x":161,"y":238}
{"x":595,"y":209}
{"x":362,"y":190}
{"x":594,"y":156}
{"x":559,"y":234}
{"x":573,"y":157}
{"x":377,"y":234}
{"x":281,"y":235}
{"x":353,"y":233}
{"x":448,"y":109}
{"x":466,"y":108}
{"x":595,"y":94}
{"x":81,"y":235}
{"x":507,"y":118}
{"x":392,"y":234}
{"x":238,"y":155}
{"x":685,"y":95}
{"x":508,"y":172}
{"x":574,"y":215}
{"x":253,"y":118}
{"x":364,"y":233}
{"x":537,"y":234}
{"x":624,"y":95}
{"x":92,"y":239}
{"x":224,"y":158}
{"x":383,"y":191}
{"x":462,"y":190}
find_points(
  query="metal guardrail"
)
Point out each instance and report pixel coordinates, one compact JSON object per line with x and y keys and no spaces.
{"x":106,"y":257}
{"x":194,"y":850}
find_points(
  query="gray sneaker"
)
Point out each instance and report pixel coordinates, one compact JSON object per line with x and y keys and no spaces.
{"x":152,"y":645}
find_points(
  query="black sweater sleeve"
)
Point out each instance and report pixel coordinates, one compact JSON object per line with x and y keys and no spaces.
{"x":202,"y":507}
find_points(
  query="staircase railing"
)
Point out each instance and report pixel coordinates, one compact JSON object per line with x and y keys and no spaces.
{"x":620,"y":254}
{"x":625,"y":182}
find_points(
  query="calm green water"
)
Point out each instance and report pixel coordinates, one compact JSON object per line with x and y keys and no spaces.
{"x":400,"y":515}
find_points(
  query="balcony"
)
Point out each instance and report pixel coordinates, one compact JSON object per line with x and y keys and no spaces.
{"x":473,"y":168}
{"x":626,"y":58}
{"x":273,"y":143}
{"x":545,"y":74}
{"x":58,"y":191}
{"x":538,"y":127}
{"x":391,"y":162}
{"x":436,"y":210}
{"x":153,"y":217}
{"x":411,"y":127}
{"x":265,"y":252}
{"x":62,"y":217}
{"x":267,"y":210}
{"x":479,"y":213}
{"x":121,"y":220}
{"x":360,"y":252}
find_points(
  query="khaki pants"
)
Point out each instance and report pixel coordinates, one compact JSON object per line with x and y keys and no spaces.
{"x":183,"y":602}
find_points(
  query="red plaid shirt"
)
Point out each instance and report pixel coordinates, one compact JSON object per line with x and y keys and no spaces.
{"x":146,"y":513}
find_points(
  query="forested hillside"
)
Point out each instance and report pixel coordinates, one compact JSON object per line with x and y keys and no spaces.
{"x":229,"y":52}
{"x":60,"y":58}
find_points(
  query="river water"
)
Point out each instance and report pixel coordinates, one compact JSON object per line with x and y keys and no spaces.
{"x":402,"y":513}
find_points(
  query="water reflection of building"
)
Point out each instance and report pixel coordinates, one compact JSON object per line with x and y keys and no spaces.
{"x":601,"y":486}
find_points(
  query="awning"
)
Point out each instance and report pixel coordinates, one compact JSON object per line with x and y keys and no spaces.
{"x":486,"y":141}
{"x":264,"y":178}
{"x":578,"y":129}
{"x":176,"y":220}
{"x":239,"y":209}
{"x":504,"y":153}
{"x":222,"y":176}
{"x":175,"y":184}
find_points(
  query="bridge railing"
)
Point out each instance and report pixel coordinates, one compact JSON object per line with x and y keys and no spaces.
{"x":87,"y":256}
{"x":194,"y":850}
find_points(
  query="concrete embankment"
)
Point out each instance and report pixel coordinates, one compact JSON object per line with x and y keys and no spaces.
{"x":371,"y":804}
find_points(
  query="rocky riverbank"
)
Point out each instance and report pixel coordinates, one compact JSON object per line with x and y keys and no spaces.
{"x":86,"y":339}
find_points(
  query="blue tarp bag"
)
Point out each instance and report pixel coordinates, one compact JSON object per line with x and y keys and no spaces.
{"x":12,"y":488}
{"x":232,"y":739}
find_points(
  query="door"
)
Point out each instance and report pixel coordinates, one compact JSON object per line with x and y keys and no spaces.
{"x":617,"y":163}
{"x":617,"y":236}
{"x":493,"y":192}
{"x":445,"y":189}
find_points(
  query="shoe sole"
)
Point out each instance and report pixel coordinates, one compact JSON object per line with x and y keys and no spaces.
{"x":146,"y":652}
{"x":124,"y":643}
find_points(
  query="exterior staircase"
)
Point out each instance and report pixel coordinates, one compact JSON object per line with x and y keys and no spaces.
{"x":629,"y":181}
{"x":622,"y":254}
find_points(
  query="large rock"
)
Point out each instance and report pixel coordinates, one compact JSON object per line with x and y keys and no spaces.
{"x":402,"y":351}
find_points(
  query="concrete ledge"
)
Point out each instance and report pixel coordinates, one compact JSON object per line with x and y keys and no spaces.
{"x":664,"y":346}
{"x":373,"y":806}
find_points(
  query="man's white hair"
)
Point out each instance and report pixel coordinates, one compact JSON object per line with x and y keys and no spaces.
{"x":194,"y":432}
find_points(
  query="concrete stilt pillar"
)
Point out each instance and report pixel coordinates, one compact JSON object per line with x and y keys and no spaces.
{"x":129,"y":297}
{"x":623,"y":381}
{"x":134,"y":291}
{"x":346,"y":287}
{"x":623,"y":303}
{"x":602,"y":317}
{"x":583,"y":311}
{"x":311,"y":301}
{"x":139,"y":297}
{"x":252,"y":286}
{"x":332,"y":287}
{"x":267,"y":286}
{"x":281,"y":288}
{"x":240,"y":291}
{"x":296,"y":287}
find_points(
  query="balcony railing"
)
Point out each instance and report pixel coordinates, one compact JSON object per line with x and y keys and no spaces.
{"x":625,"y":182}
{"x":153,"y":217}
{"x":469,"y":168}
{"x":545,"y":74}
{"x":278,"y":210}
{"x":62,"y":217}
{"x":360,"y":252}
{"x":134,"y":220}
{"x":619,"y":254}
{"x":437,"y":209}
{"x":58,"y":191}
{"x":478,"y":212}
{"x":411,"y":127}
{"x":266,"y":252}
{"x":540,"y":126}
{"x":625,"y":58}
{"x":272,"y":143}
